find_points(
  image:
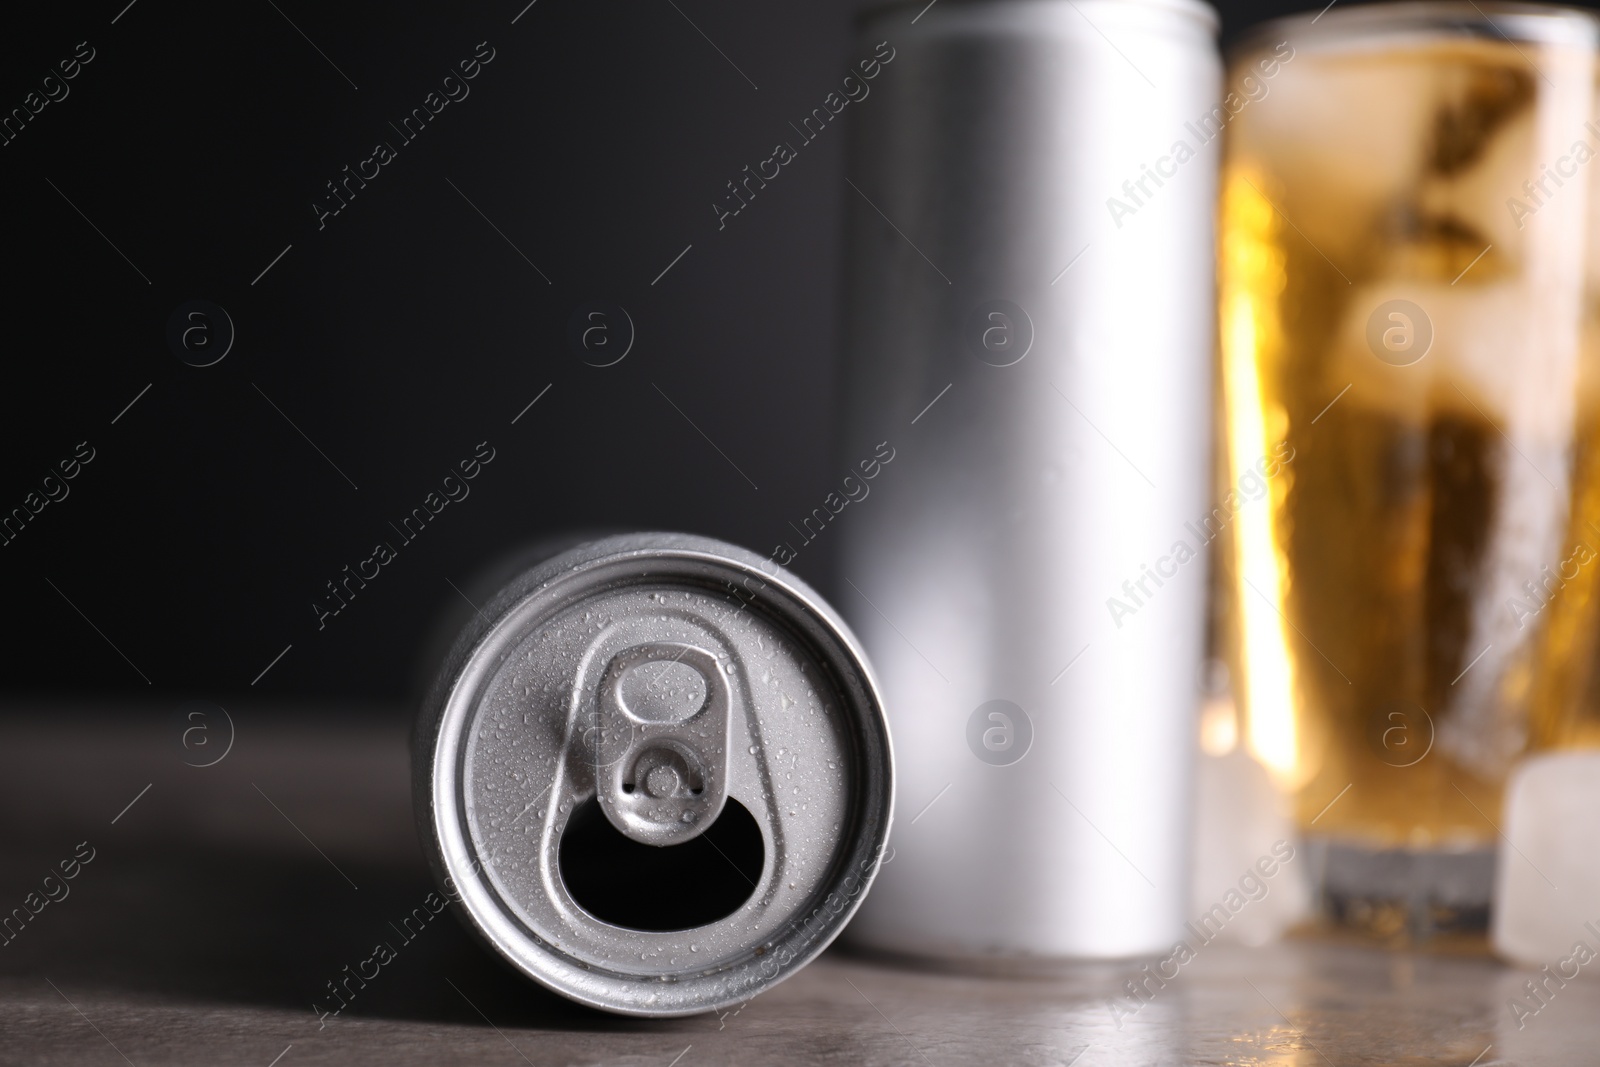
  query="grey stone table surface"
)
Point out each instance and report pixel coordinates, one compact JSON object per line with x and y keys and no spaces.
{"x":219,"y":902}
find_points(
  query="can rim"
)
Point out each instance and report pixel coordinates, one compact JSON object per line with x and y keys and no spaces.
{"x":1199,"y":11}
{"x":437,"y":757}
{"x":1500,"y":20}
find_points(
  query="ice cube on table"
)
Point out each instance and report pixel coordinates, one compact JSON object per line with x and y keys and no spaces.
{"x":1240,"y":814}
{"x":1547,"y":887}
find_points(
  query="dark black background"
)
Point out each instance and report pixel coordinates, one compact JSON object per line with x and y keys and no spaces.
{"x":407,"y":330}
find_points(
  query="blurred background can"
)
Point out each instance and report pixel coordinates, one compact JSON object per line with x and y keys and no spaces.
{"x":1029,"y":323}
{"x":1408,"y":282}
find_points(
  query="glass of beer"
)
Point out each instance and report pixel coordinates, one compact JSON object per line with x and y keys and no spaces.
{"x":1408,"y":335}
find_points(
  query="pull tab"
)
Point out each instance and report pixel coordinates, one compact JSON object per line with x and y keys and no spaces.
{"x":662,"y":767}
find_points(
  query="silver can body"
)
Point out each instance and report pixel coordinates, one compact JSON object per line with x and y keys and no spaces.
{"x":1034,"y":328}
{"x":613,"y":709}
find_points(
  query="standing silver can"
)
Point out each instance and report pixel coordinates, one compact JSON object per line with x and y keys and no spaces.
{"x":1029,"y":309}
{"x":655,"y":774}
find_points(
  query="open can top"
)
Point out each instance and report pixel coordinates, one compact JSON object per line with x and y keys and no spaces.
{"x":655,"y":772}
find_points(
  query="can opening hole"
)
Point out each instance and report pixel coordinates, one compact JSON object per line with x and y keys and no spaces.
{"x":627,"y":787}
{"x":674,"y":887}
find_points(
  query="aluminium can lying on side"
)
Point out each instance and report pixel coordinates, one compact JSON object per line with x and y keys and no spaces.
{"x":655,"y":772}
{"x":1029,"y":313}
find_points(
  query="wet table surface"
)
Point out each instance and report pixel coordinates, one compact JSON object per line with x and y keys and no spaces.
{"x":220,"y":901}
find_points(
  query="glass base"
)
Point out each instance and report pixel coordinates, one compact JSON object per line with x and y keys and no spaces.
{"x":1401,"y":896}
